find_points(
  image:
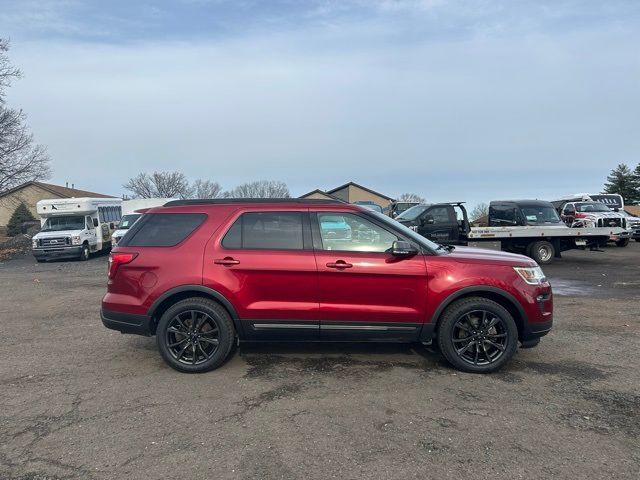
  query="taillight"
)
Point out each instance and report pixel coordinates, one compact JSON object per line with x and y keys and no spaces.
{"x":117,"y":259}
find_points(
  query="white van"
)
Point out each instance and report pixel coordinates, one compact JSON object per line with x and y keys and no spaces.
{"x":132,"y":210}
{"x":75,"y":227}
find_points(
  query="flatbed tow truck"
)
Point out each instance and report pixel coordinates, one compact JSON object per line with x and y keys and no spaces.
{"x":529,"y":227}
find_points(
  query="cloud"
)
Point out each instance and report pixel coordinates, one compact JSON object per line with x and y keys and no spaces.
{"x":451,"y":114}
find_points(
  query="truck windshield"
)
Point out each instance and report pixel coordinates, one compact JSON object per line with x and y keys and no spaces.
{"x":412,"y":213}
{"x":127,"y":220}
{"x":592,"y":207}
{"x":57,"y":224}
{"x":540,"y":215}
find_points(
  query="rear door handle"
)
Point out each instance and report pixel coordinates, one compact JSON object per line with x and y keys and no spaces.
{"x":339,"y":264}
{"x":226,"y":261}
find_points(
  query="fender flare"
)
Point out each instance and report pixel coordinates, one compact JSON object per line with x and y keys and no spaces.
{"x":201,"y":289}
{"x":479,"y":289}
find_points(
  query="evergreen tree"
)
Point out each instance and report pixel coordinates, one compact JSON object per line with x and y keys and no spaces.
{"x":20,"y":215}
{"x":624,"y":181}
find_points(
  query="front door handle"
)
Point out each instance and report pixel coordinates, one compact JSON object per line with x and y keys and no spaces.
{"x":226,"y":261}
{"x":339,"y":264}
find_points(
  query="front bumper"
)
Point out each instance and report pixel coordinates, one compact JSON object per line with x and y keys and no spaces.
{"x":44,"y":253}
{"x":126,"y":322}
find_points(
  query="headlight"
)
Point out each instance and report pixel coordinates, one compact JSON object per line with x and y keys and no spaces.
{"x":531,"y":275}
{"x":75,"y":240}
{"x":34,"y":242}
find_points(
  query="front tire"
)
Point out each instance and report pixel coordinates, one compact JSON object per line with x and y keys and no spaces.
{"x":195,"y":335}
{"x":85,"y":253}
{"x":622,"y":242}
{"x":477,"y":335}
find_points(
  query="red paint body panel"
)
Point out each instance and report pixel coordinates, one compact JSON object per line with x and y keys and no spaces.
{"x":273,"y":285}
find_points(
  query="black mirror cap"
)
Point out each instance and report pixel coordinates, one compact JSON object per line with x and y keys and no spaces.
{"x":95,"y":222}
{"x":400,"y":248}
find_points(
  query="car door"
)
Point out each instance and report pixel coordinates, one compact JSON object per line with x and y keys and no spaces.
{"x":263,"y":263}
{"x":439,"y":224}
{"x":364,"y":291}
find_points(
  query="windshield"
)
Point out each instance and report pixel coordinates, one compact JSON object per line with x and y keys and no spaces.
{"x":57,"y":224}
{"x":592,"y":207}
{"x":540,"y":215}
{"x":127,"y":220}
{"x":412,"y":213}
{"x":406,"y":231}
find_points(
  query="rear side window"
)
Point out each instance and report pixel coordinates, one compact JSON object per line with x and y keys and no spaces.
{"x":162,"y":229}
{"x":266,"y":231}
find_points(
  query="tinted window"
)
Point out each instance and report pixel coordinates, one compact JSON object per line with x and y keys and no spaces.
{"x":440,"y":215}
{"x":266,"y":231}
{"x":348,"y":232}
{"x":500,"y":215}
{"x":162,"y":229}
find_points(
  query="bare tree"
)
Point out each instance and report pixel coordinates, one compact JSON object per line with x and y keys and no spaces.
{"x":479,"y":211}
{"x":20,"y":159}
{"x":260,"y":189}
{"x":410,"y":197}
{"x":206,"y":189}
{"x":159,"y":184}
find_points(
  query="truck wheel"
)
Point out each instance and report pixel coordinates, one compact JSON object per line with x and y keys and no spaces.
{"x":623,"y":242}
{"x":477,"y":335}
{"x":195,"y":335}
{"x":542,"y":252}
{"x":84,"y":253}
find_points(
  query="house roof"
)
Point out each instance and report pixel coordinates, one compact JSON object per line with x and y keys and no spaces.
{"x":321,"y":192}
{"x":353,"y":184}
{"x":58,"y":190}
{"x":633,"y":209}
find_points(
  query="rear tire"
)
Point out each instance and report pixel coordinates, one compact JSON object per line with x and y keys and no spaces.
{"x":542,"y":252}
{"x":477,"y":335}
{"x":195,"y":335}
{"x":623,"y":242}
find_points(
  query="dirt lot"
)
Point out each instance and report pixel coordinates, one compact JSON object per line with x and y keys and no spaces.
{"x":81,"y":401}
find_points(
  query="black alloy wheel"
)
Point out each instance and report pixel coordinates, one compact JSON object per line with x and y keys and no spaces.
{"x":192,"y":337}
{"x":195,"y":335}
{"x":477,"y":335}
{"x":480,"y":337}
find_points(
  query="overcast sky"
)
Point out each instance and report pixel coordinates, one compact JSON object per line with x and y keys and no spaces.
{"x":452,"y":99}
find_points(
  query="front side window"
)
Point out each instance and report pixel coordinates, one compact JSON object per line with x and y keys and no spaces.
{"x":266,"y":231}
{"x":412,"y":213}
{"x":353,"y":233}
{"x":540,"y":215}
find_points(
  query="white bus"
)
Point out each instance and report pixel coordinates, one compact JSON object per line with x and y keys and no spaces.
{"x":75,"y":227}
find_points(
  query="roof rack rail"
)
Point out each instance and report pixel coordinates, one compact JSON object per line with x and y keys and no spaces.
{"x":223,"y":201}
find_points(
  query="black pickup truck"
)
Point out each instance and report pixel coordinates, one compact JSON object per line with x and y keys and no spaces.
{"x":529,"y":227}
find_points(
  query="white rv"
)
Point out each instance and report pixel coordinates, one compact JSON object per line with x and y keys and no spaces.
{"x":75,"y":227}
{"x":132,"y":210}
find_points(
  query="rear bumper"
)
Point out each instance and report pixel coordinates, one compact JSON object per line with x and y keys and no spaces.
{"x":57,"y":252}
{"x":126,"y":322}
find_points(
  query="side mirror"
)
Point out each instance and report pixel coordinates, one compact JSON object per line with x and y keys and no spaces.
{"x":95,"y":222}
{"x":401,"y":248}
{"x":427,"y":220}
{"x":112,"y":226}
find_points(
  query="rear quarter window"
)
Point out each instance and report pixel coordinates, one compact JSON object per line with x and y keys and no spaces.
{"x":162,"y":229}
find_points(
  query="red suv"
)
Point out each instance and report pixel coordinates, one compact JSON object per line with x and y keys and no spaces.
{"x":200,"y":274}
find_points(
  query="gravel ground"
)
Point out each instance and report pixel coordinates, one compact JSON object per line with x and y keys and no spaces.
{"x":81,"y":401}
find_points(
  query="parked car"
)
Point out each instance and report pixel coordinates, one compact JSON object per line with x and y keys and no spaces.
{"x":200,"y":275}
{"x":370,"y":205}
